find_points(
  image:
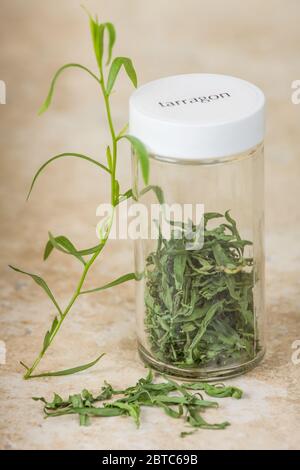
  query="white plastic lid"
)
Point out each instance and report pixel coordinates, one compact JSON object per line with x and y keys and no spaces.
{"x":197,"y":116}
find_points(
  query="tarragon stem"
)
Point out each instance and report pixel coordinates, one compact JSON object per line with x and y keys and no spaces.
{"x":62,"y":243}
{"x":29,"y":372}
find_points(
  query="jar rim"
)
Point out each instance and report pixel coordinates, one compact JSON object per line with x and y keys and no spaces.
{"x":209,"y":160}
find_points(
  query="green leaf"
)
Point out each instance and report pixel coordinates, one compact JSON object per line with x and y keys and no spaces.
{"x":40,"y":282}
{"x":63,"y":244}
{"x":171,"y":412}
{"x":104,"y":412}
{"x":188,"y":327}
{"x":197,"y":421}
{"x":76,"y":400}
{"x":211,"y":215}
{"x":99,"y":44}
{"x":215,"y":390}
{"x":184,"y":401}
{"x":109,"y":158}
{"x":92,"y":250}
{"x":116,"y":282}
{"x":127,"y":195}
{"x":84,"y":252}
{"x":55,"y":403}
{"x":48,"y":100}
{"x":83,"y":420}
{"x":221,"y":257}
{"x":91,"y":411}
{"x":233,"y":225}
{"x":144,"y":393}
{"x":94,"y":34}
{"x":48,"y":250}
{"x":116,"y":65}
{"x":49,"y":335}
{"x":42,"y":399}
{"x":71,"y":371}
{"x":211,"y":312}
{"x":111,"y":40}
{"x":46,"y":341}
{"x":97,"y":32}
{"x":157,"y":190}
{"x":123,"y":131}
{"x":142,"y":155}
{"x":131,"y":409}
{"x":179,"y":267}
{"x":57,"y":400}
{"x":62,"y":155}
{"x":188,"y":433}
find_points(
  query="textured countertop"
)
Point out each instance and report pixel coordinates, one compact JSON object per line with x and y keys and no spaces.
{"x":258,"y":42}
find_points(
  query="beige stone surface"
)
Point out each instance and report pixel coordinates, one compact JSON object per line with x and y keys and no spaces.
{"x":255,"y":40}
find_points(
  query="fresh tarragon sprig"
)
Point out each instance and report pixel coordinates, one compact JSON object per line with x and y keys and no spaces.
{"x":87,"y":257}
{"x":176,"y":400}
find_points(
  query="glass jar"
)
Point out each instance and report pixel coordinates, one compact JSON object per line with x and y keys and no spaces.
{"x":200,"y":261}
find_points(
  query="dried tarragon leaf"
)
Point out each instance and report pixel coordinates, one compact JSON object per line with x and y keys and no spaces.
{"x":199,"y":303}
{"x":174,"y":399}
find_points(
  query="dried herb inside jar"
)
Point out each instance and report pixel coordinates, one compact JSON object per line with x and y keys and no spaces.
{"x":199,"y":303}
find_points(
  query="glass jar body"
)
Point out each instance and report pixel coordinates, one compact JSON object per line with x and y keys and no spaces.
{"x":200,"y":306}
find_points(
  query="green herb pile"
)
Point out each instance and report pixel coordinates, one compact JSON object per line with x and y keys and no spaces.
{"x":199,"y":303}
{"x":174,"y":399}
